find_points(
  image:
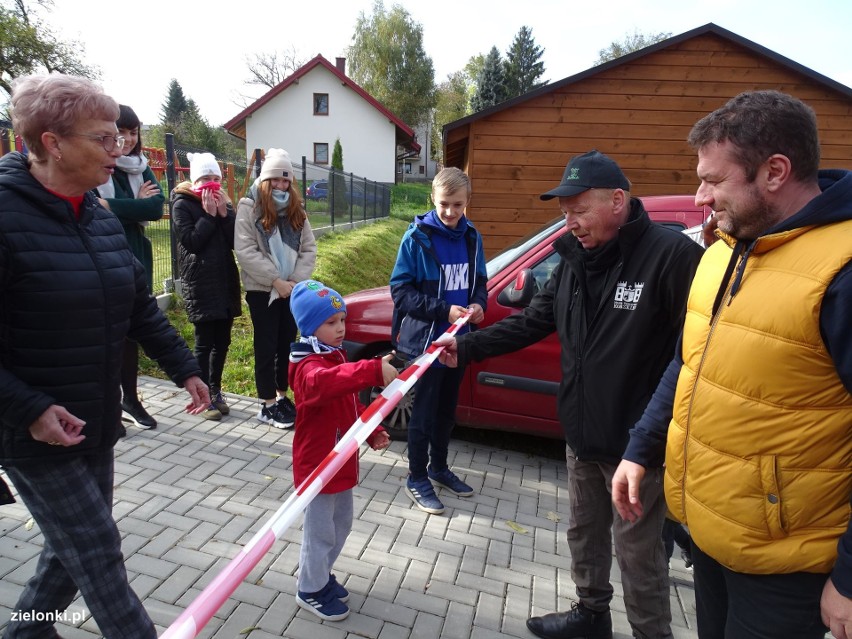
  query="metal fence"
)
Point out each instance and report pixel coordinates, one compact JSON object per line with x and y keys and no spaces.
{"x":334,"y":200}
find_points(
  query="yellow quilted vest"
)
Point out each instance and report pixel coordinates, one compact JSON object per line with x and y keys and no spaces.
{"x":759,"y":451}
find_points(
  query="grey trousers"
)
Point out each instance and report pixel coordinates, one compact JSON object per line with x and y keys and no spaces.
{"x":328,"y":521}
{"x":593,"y":524}
{"x":71,"y":501}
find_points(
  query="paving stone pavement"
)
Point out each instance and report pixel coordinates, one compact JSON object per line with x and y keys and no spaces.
{"x":190,"y":494}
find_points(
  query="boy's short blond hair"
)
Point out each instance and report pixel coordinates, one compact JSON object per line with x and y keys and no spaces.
{"x":451,"y":180}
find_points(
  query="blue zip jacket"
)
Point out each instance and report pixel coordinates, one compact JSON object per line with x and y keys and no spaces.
{"x":419,"y":282}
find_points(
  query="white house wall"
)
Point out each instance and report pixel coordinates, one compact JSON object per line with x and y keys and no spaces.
{"x":287,"y":121}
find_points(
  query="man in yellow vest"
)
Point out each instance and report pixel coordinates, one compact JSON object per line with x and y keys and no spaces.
{"x":755,"y":412}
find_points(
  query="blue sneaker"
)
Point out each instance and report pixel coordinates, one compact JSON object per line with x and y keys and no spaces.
{"x":337,"y":588}
{"x":423,"y":494}
{"x":451,"y":482}
{"x":323,"y":604}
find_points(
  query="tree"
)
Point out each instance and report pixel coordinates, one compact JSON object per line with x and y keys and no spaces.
{"x":452,"y":104}
{"x":175,"y":105}
{"x":388,"y":60}
{"x":269,"y":69}
{"x":523,"y":64}
{"x":28,"y":45}
{"x":630,"y":43}
{"x":491,"y":83}
{"x":339,"y":196}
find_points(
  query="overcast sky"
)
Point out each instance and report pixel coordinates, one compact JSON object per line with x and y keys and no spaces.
{"x":140,"y":47}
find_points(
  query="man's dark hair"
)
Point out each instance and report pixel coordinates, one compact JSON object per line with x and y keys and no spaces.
{"x":759,"y":124}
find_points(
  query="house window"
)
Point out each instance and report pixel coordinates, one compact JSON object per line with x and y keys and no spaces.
{"x":320,"y":153}
{"x":320,"y":103}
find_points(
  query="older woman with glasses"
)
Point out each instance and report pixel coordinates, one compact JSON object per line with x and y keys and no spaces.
{"x":70,"y":293}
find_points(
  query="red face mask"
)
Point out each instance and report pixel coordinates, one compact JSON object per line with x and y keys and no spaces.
{"x":207,"y":186}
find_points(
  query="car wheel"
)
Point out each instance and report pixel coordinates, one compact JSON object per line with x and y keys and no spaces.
{"x":396,"y":423}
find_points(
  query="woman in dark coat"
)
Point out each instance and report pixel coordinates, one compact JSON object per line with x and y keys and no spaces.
{"x":203,"y":219}
{"x":134,"y":195}
{"x":71,"y":292}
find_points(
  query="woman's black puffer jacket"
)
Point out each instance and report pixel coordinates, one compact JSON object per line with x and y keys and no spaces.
{"x":209,"y":279}
{"x":70,"y":293}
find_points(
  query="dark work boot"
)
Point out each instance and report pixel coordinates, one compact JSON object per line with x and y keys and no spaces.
{"x":577,"y":623}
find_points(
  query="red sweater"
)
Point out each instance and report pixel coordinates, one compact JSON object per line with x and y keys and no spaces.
{"x":326,"y":389}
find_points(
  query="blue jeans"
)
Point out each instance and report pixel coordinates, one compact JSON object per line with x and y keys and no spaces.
{"x":432,"y":419}
{"x":733,"y":605}
{"x":71,"y":501}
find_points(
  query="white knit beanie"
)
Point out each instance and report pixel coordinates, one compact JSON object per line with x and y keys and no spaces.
{"x":277,"y":165}
{"x":201,"y":164}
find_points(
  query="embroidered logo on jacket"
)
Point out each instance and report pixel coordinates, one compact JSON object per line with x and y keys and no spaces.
{"x":455,"y":276}
{"x":627,"y":297}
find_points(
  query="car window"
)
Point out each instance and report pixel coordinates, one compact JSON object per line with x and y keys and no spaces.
{"x":513,"y":251}
{"x":544,"y":269}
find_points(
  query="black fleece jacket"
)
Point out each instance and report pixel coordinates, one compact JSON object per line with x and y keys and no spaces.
{"x":612,"y":357}
{"x":70,"y":292}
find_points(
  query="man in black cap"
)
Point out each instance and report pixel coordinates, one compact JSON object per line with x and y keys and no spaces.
{"x":616,"y":301}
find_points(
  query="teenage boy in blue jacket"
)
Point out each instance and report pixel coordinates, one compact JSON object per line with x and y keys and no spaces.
{"x":439,"y":276}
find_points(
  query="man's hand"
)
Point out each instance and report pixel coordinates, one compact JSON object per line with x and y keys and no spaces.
{"x":57,"y":427}
{"x":476,"y":314}
{"x":456,"y":312}
{"x":836,"y":611}
{"x":389,"y":371}
{"x":199,"y":393}
{"x":450,"y":355}
{"x":625,"y":489}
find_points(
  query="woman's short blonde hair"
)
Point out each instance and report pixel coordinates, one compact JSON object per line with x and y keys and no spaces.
{"x":55,"y":103}
{"x":451,"y":180}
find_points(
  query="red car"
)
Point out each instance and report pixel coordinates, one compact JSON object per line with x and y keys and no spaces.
{"x":515,"y":392}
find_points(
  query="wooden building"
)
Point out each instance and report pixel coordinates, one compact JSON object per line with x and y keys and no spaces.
{"x":637,"y":109}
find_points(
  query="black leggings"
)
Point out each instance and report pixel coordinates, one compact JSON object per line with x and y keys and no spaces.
{"x":212,"y":340}
{"x":274,"y":331}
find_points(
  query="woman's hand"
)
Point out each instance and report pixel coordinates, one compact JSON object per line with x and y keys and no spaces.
{"x":148,"y":189}
{"x":284,"y":287}
{"x":208,"y":203}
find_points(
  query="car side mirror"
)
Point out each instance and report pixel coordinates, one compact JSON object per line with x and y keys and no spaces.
{"x":520,"y":292}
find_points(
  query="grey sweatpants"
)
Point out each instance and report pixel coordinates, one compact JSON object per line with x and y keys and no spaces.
{"x":328,"y":521}
{"x":593,"y":524}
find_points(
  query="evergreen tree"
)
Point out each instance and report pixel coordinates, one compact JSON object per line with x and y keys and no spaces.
{"x":523,"y":64}
{"x":337,"y":155}
{"x":174,"y":107}
{"x":340,"y":192}
{"x":491,"y":84}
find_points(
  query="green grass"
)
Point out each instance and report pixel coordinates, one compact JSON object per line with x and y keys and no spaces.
{"x":347,"y":261}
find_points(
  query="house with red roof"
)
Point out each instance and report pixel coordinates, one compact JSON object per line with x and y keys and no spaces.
{"x":308,"y":111}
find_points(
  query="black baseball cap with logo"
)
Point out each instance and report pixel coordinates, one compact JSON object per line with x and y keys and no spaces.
{"x":592,"y":170}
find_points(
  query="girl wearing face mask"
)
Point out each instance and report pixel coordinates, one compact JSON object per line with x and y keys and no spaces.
{"x":134,"y":196}
{"x":276,"y":249}
{"x":203,"y":219}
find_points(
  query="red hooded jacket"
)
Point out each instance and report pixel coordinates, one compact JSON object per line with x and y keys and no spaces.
{"x":326,"y":389}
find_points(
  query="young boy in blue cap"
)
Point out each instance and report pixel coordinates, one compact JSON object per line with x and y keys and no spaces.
{"x":326,"y":389}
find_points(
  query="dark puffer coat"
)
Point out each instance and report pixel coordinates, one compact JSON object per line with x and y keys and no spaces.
{"x":70,"y":292}
{"x":209,"y":278}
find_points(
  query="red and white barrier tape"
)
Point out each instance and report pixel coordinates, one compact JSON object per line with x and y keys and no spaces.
{"x":202,"y":609}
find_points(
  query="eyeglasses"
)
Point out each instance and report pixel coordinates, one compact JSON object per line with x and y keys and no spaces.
{"x":109,"y":142}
